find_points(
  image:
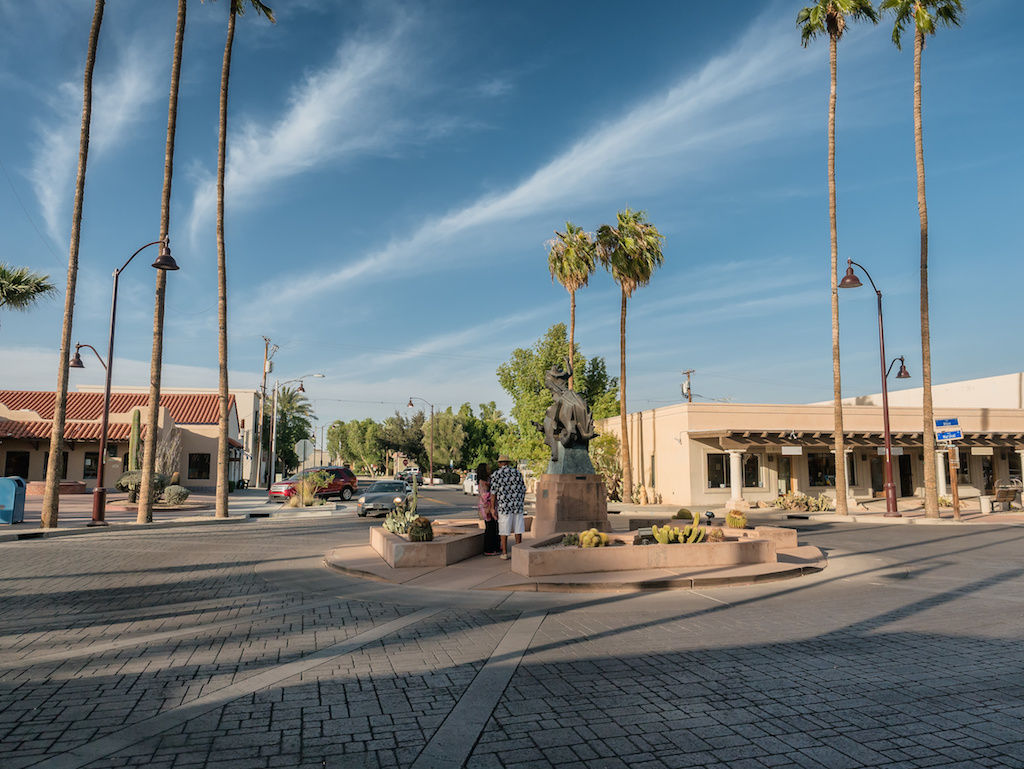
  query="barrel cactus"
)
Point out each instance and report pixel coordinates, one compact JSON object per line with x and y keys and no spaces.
{"x":593,"y":538}
{"x":735,"y":520}
{"x":421,"y":530}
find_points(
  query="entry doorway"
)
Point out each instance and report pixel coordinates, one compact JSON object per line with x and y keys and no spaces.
{"x":785,"y":474}
{"x":988,"y":474}
{"x":906,"y":476}
{"x":878,"y":477}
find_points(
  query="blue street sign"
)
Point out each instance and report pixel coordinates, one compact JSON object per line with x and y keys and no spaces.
{"x":948,"y":422}
{"x":950,"y":435}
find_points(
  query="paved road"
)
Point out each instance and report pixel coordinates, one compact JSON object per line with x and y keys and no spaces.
{"x":231,"y":646}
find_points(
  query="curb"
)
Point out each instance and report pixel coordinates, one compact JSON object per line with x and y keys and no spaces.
{"x":16,"y":536}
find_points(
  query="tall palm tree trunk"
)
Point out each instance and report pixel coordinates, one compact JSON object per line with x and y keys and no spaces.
{"x":51,"y":498}
{"x":627,"y":467}
{"x":222,"y":284}
{"x":837,"y":383}
{"x":572,"y":338}
{"x":145,"y":514}
{"x":931,"y":499}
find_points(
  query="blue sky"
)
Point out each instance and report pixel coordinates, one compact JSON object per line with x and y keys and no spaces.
{"x":395,"y":170}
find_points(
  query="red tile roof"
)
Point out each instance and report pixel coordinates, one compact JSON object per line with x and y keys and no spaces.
{"x":185,"y":408}
{"x":73,"y":431}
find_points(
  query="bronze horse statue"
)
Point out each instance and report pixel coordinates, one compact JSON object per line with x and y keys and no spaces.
{"x":568,"y":419}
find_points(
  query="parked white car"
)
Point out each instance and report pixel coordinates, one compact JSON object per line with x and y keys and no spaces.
{"x":470,"y":486}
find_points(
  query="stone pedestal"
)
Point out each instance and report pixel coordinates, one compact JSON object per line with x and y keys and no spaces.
{"x":570,"y":503}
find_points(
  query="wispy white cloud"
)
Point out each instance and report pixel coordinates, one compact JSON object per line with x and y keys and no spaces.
{"x":705,"y":117}
{"x":349,"y":108}
{"x":120,"y":100}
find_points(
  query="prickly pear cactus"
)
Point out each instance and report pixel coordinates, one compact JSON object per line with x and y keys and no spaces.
{"x":399,"y":520}
{"x":420,"y":530}
{"x":593,"y":538}
{"x":571,"y":540}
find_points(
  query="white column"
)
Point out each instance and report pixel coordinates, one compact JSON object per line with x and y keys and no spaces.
{"x":736,"y":473}
{"x":941,"y":462}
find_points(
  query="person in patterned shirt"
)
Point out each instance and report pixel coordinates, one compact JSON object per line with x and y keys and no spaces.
{"x":509,"y":492}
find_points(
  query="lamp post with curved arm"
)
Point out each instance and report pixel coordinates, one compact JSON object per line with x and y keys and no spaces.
{"x":850,"y":280}
{"x":271,"y":472}
{"x":165,"y":262}
{"x":431,"y":456}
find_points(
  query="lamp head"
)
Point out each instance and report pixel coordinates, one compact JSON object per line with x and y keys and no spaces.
{"x":301,"y":388}
{"x":902,"y":373}
{"x":850,"y":280}
{"x":165,"y":261}
{"x":409,"y":405}
{"x":76,"y":360}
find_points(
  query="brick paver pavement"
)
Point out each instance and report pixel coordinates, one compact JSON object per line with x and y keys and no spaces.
{"x":233,"y":647}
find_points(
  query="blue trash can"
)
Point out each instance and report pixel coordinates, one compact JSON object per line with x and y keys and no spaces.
{"x":12,"y":499}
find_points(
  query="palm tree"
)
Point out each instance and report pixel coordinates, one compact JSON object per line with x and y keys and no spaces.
{"x":632,"y":252}
{"x":572,"y":261}
{"x":20,"y":288}
{"x":145,"y":514}
{"x":235,"y":8}
{"x":292,"y":402}
{"x":51,"y":497}
{"x":830,"y":16}
{"x":925,"y":16}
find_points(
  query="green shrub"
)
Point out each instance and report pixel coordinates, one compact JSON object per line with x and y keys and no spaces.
{"x":420,"y":530}
{"x":682,"y":512}
{"x":175,"y":495}
{"x":132,"y":483}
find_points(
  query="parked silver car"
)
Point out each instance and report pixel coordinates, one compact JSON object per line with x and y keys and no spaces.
{"x":382,"y":497}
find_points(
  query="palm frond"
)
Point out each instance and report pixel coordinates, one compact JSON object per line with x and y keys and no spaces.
{"x":20,"y":287}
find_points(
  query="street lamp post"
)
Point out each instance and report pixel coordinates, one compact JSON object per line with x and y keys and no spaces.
{"x":273,"y":422}
{"x":850,"y":280}
{"x":431,"y":457}
{"x":163,"y":262}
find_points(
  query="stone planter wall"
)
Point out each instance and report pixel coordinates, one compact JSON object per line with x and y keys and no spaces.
{"x":458,"y":545}
{"x":535,"y":560}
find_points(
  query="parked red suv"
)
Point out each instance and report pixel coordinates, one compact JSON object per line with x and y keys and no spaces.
{"x":343,"y":484}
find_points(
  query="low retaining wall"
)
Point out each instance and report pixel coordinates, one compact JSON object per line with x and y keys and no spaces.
{"x":38,"y":488}
{"x":537,"y":560}
{"x":457,"y":545}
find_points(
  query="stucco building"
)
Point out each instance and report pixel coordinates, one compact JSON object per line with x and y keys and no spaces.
{"x":26,"y":418}
{"x":708,"y":453}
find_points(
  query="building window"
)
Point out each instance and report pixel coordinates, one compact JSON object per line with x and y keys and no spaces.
{"x":718,"y":471}
{"x":16,"y":463}
{"x":821,"y":468}
{"x":92,"y":464}
{"x":199,"y":467}
{"x":751,"y":471}
{"x":63,"y":465}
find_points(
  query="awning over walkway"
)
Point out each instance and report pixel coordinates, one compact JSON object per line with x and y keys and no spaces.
{"x":774,"y":440}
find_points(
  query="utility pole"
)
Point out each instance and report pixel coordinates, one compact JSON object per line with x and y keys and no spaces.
{"x":268,"y":354}
{"x":687,"y":390}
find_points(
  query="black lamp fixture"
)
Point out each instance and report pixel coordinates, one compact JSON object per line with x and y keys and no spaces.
{"x":301,"y":388}
{"x":165,"y":261}
{"x":850,"y":279}
{"x":76,"y":361}
{"x":902,"y":373}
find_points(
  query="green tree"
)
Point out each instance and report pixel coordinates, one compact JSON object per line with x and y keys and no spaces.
{"x":449,"y":436}
{"x":522,"y":377}
{"x":337,"y":441}
{"x":51,"y":497}
{"x":830,"y":17}
{"x":235,"y":8}
{"x":294,"y":422}
{"x":365,"y":443}
{"x":20,"y":288}
{"x":571,"y":261}
{"x":631,"y":250}
{"x":405,"y":435}
{"x":146,"y":496}
{"x":483,"y":434}
{"x":926,"y":16}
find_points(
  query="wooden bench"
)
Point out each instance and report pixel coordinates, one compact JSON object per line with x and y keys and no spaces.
{"x":1005,"y":498}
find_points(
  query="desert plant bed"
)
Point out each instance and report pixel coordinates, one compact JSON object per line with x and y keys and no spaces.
{"x":449,"y":545}
{"x":550,"y":556}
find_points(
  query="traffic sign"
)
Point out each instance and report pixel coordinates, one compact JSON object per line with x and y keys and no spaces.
{"x":304,"y":449}
{"x":947,"y":422}
{"x":950,"y":435}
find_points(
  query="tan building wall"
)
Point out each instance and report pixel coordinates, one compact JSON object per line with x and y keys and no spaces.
{"x":678,"y":440}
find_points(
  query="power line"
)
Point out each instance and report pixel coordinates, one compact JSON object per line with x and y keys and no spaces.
{"x":46,"y":240}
